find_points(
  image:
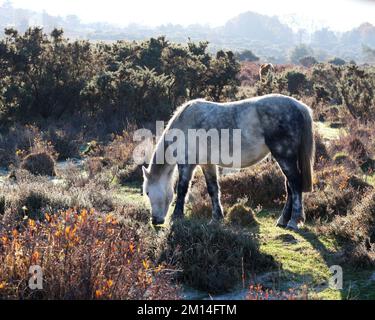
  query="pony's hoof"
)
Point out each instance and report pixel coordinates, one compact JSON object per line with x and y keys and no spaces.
{"x":281,"y":223}
{"x":292,"y":225}
{"x":214,"y":222}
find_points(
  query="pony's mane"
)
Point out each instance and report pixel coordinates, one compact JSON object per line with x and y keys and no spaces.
{"x":155,"y":169}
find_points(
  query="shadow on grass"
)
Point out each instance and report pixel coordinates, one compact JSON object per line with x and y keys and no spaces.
{"x":214,"y":258}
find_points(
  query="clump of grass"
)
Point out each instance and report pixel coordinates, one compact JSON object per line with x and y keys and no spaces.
{"x":83,"y":255}
{"x":213,"y":258}
{"x":39,"y":164}
{"x":241,"y":215}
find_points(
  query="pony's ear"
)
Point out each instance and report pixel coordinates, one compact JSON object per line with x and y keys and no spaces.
{"x":146,"y":174}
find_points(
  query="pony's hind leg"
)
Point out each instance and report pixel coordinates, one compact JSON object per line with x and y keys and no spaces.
{"x":185,"y":173}
{"x":287,"y":211}
{"x":210,"y":174}
{"x":290,"y":169}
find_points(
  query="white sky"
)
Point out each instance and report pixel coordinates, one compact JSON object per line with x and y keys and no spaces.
{"x":338,"y":14}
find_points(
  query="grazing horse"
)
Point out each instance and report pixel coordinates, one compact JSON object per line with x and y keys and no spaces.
{"x":274,"y":124}
{"x":265,"y":69}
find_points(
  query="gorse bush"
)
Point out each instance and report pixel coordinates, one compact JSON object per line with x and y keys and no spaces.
{"x":49,"y":77}
{"x":350,"y":85}
{"x":292,"y":81}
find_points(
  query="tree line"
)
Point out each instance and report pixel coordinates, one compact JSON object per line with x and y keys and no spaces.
{"x":47,"y":76}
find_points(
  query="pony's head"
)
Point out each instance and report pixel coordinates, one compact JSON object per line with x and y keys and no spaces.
{"x":159,"y":192}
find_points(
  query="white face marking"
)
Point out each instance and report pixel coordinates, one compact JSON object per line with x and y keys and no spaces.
{"x":160,"y":196}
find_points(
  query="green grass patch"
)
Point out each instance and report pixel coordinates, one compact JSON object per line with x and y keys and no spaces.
{"x":327,"y":132}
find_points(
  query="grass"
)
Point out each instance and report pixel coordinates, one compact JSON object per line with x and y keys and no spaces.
{"x":327,"y":132}
{"x":214,"y":258}
{"x":305,"y":257}
{"x":370,"y":179}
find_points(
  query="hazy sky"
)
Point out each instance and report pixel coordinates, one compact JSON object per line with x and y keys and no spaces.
{"x":338,"y":14}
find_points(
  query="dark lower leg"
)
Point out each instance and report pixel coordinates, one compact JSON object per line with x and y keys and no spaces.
{"x":185,"y":175}
{"x":290,"y":169}
{"x":287,"y":211}
{"x":210,"y":173}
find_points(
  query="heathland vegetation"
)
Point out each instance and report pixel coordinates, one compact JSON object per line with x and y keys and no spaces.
{"x":70,"y":198}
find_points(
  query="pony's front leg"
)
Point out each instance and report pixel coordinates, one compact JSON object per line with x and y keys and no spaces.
{"x":210,"y":173}
{"x":185,"y":174}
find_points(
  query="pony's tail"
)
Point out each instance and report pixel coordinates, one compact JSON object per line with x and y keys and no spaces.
{"x":306,"y":151}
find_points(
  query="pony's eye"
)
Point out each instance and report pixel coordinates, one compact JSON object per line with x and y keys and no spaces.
{"x":147,"y":193}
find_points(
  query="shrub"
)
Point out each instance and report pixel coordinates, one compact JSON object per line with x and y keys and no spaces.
{"x":308,"y":61}
{"x":39,"y":164}
{"x":325,"y":78}
{"x":120,"y":149}
{"x":131,"y":174}
{"x":337,"y":61}
{"x":359,"y":224}
{"x":83,"y":255}
{"x":263,"y":184}
{"x":357,"y":231}
{"x":241,"y":215}
{"x":246,"y":55}
{"x":95,"y":165}
{"x":299,"y":52}
{"x":296,"y":81}
{"x":107,"y":82}
{"x":357,"y":91}
{"x":333,"y":193}
{"x":291,"y":81}
{"x":213,"y":258}
{"x":64,"y":143}
{"x":321,"y":151}
{"x":134,"y":211}
{"x":33,"y":195}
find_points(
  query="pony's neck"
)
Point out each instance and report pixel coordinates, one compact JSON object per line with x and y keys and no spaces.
{"x":160,"y":170}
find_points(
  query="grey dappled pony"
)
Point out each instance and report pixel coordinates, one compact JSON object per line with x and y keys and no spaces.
{"x":275,"y":124}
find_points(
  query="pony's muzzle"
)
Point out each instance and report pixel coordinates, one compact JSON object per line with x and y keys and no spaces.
{"x":157,"y":221}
